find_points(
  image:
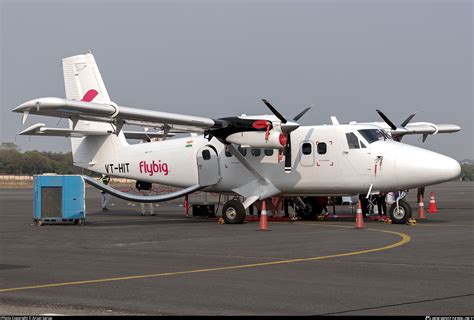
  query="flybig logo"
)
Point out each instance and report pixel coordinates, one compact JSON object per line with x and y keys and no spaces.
{"x":153,"y":167}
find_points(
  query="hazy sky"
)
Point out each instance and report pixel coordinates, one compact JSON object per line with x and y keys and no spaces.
{"x":219,"y":58}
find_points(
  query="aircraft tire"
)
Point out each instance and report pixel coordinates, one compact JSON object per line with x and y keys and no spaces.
{"x":233,"y":212}
{"x":403,"y":215}
{"x":311,"y":211}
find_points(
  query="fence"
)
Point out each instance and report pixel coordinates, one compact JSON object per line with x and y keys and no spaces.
{"x":28,"y":179}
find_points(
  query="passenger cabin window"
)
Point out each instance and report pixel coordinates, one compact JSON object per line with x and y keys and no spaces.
{"x":206,"y":155}
{"x":268,"y":152}
{"x":306,"y":148}
{"x":255,"y":152}
{"x":242,"y":151}
{"x":352,"y":140}
{"x":322,"y":148}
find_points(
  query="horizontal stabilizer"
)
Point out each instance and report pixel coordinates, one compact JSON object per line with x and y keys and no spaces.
{"x":40,"y":129}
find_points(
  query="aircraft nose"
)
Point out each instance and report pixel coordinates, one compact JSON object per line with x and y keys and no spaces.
{"x":419,"y":167}
{"x":449,"y":167}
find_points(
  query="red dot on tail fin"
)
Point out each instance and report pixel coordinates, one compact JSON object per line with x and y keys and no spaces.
{"x":90,"y":95}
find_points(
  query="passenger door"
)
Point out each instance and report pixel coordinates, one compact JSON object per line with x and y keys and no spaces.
{"x":208,"y":166}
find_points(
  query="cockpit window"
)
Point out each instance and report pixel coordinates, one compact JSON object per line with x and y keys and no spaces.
{"x":352,"y":140}
{"x":372,"y":135}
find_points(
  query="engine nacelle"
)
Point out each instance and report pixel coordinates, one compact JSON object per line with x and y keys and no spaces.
{"x":275,"y":139}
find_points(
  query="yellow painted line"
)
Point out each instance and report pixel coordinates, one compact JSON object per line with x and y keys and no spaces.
{"x":404,"y":239}
{"x":443,"y":225}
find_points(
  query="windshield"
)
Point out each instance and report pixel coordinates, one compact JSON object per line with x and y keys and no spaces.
{"x":372,"y":135}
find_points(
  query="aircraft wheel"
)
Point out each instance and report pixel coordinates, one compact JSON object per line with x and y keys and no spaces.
{"x":311,"y":211}
{"x":401,"y":215}
{"x":233,"y":212}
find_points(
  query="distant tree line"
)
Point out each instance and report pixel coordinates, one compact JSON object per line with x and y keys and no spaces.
{"x":15,"y":162}
{"x":467,"y":171}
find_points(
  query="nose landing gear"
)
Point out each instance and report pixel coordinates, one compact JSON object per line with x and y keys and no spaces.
{"x":400,"y":211}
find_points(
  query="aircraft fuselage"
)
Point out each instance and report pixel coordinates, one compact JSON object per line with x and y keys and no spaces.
{"x":324,"y":162}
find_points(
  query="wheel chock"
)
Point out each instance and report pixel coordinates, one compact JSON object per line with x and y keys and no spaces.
{"x":389,"y":221}
{"x":412,"y":222}
{"x":221,"y":221}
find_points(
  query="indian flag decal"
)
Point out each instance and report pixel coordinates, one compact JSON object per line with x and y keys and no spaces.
{"x":189,"y":143}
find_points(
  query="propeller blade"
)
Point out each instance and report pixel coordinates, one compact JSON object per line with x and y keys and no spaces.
{"x":275,"y":112}
{"x":404,"y":123}
{"x":288,"y":155}
{"x":289,"y":126}
{"x":296,"y":118}
{"x":387,"y":120}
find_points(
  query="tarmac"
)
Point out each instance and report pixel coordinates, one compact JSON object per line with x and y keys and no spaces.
{"x":122,"y":263}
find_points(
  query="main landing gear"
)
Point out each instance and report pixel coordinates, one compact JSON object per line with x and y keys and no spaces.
{"x":308,"y":208}
{"x":233,"y":212}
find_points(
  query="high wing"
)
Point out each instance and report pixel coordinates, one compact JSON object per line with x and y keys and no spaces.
{"x":117,"y":115}
{"x":422,"y":128}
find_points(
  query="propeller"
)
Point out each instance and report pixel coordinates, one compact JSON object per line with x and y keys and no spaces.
{"x":286,"y":127}
{"x":299,"y":115}
{"x":397,"y":132}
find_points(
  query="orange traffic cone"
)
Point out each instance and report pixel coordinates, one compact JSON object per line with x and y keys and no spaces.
{"x":432,"y":208}
{"x":421,"y":209}
{"x":263,"y":217}
{"x":359,"y":218}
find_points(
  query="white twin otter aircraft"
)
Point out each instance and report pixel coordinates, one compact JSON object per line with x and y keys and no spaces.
{"x":255,"y":157}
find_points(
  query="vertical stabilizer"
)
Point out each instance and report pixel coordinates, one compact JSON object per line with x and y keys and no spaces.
{"x":82,"y":81}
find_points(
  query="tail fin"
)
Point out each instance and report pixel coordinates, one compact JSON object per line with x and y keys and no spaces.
{"x":82,"y":81}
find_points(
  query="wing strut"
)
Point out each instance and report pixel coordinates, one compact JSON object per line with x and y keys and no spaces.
{"x":246,"y":164}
